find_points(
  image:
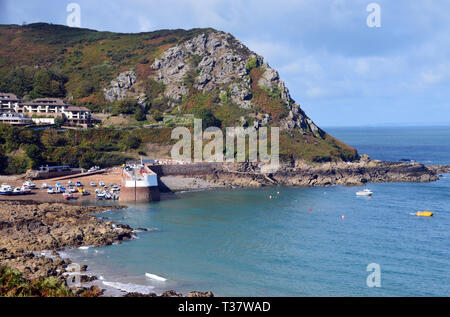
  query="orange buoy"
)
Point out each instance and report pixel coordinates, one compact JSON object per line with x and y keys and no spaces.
{"x":310,"y":209}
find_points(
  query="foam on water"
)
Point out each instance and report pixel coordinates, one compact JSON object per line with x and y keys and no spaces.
{"x":130,"y":287}
{"x":155,"y":277}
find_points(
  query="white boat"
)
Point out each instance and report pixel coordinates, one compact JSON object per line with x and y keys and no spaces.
{"x":17,"y":191}
{"x":101,"y":195}
{"x":68,"y":196}
{"x":93,"y":184}
{"x":29,"y":184}
{"x":50,"y":190}
{"x":5,"y":189}
{"x":25,"y":189}
{"x":365,"y":192}
{"x":44,"y":185}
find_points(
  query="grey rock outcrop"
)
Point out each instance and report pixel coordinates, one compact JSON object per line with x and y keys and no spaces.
{"x":217,"y":60}
{"x":219,"y":65}
{"x":120,"y":86}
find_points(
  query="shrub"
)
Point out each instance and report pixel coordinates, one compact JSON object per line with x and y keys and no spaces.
{"x":139,"y":115}
{"x":12,"y":284}
{"x":208,"y":119}
{"x":157,"y":115}
{"x":131,"y":142}
{"x":252,"y":63}
{"x":17,"y":165}
{"x":125,"y":106}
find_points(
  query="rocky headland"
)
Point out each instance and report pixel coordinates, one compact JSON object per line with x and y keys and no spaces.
{"x":297,"y":173}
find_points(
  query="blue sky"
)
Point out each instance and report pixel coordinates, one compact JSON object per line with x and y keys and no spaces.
{"x":342,"y":72}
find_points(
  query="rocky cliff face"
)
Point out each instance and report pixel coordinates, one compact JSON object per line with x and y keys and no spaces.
{"x":120,"y":86}
{"x":219,"y":61}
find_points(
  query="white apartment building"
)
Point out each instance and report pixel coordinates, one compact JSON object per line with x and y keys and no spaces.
{"x":42,"y":108}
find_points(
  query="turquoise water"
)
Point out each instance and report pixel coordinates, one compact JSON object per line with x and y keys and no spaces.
{"x":242,"y":243}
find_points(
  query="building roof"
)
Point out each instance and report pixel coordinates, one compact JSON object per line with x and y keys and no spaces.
{"x":50,"y":101}
{"x":8,"y":96}
{"x":74,"y":108}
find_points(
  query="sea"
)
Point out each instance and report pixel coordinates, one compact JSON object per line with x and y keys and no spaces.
{"x":322,"y":241}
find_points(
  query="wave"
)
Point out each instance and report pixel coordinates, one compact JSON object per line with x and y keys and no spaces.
{"x":130,"y":287}
{"x":84,"y":248}
{"x":155,"y":277}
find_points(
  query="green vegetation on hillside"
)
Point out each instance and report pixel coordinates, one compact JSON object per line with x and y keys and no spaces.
{"x":12,"y":284}
{"x":25,"y":148}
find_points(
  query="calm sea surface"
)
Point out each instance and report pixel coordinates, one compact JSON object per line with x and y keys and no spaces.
{"x":242,"y":243}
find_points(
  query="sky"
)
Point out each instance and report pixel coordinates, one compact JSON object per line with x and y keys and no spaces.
{"x":341,"y":71}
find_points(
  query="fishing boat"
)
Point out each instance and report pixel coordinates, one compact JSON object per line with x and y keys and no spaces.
{"x":5,"y":189}
{"x":50,"y":190}
{"x":44,"y":185}
{"x":365,"y":192}
{"x":93,"y":184}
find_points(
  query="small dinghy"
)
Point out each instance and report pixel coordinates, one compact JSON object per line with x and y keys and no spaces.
{"x":424,"y":214}
{"x":67,"y":195}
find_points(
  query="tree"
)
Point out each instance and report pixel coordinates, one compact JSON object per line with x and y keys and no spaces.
{"x":34,"y":153}
{"x":139,"y":115}
{"x":48,"y":84}
{"x":125,"y":106}
{"x":3,"y":162}
{"x":208,"y":118}
{"x":59,"y":121}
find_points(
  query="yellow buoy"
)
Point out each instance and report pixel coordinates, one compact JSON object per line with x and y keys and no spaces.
{"x":424,"y":214}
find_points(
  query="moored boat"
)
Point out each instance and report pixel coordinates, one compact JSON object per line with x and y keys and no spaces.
{"x":365,"y":192}
{"x":17,"y":191}
{"x":67,"y":195}
{"x":5,"y":189}
{"x":25,"y":189}
{"x":424,"y":214}
{"x":29,"y":184}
